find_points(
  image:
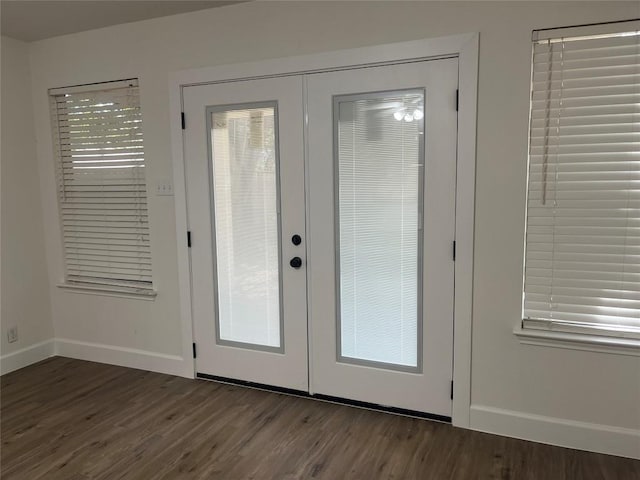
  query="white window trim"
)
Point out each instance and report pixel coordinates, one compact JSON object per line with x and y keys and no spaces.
{"x":466,"y":48}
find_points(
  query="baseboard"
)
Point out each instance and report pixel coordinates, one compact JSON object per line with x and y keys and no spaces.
{"x":124,"y":357}
{"x":26,"y":356}
{"x":593,"y":437}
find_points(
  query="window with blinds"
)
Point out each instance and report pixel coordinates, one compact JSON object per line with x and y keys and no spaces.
{"x":582,"y":262}
{"x":101,"y":186}
{"x":379,"y":162}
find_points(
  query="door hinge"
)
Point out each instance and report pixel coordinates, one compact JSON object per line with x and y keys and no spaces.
{"x":454,"y":251}
{"x":189,"y":238}
{"x":457,"y":101}
{"x":195,"y":354}
{"x":182,"y":119}
{"x":451,"y":388}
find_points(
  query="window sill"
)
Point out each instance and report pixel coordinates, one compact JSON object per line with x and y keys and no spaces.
{"x":578,"y":341}
{"x":110,"y":291}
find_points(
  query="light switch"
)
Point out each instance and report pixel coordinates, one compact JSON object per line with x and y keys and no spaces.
{"x":164,"y":187}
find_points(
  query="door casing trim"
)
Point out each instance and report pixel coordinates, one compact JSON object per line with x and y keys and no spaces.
{"x":466,"y":48}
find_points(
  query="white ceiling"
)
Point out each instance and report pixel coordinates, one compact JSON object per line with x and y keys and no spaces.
{"x":30,"y":20}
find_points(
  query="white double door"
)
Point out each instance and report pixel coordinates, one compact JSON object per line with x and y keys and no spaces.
{"x":322,"y":211}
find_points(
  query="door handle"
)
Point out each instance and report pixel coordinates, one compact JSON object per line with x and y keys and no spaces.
{"x":296,"y":262}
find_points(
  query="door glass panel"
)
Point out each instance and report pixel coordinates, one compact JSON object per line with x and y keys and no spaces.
{"x":379,"y":158}
{"x":244,"y":167}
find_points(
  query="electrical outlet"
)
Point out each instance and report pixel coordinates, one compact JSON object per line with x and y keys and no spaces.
{"x":164,"y":187}
{"x":12,"y":334}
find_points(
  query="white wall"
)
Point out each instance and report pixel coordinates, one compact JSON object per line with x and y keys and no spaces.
{"x":588,"y":400}
{"x":25,"y":288}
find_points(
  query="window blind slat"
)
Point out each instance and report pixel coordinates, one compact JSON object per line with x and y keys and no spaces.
{"x":84,"y":137}
{"x":592,"y":220}
{"x":585,"y":283}
{"x":559,"y":194}
{"x":113,"y":243}
{"x":585,"y":157}
{"x":565,"y":62}
{"x":117,"y":250}
{"x":554,"y":83}
{"x":97,"y":131}
{"x":134,"y":238}
{"x":578,"y":175}
{"x":102,"y":189}
{"x":143,"y":287}
{"x":591,"y":120}
{"x":584,"y":111}
{"x":107,"y":102}
{"x":92,"y":179}
{"x":130,"y":193}
{"x":565,"y":70}
{"x":101,"y":256}
{"x":629,"y":49}
{"x":607,"y":90}
{"x":79,"y":141}
{"x":603,"y":45}
{"x":607,"y":256}
{"x":114,"y":118}
{"x":85,"y":273}
{"x":81,"y":200}
{"x":586,"y":185}
{"x":584,"y":101}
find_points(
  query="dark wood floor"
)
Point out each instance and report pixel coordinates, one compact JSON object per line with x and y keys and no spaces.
{"x":74,"y":420}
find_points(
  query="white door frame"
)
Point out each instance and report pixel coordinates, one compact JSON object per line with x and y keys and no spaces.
{"x":466,"y":48}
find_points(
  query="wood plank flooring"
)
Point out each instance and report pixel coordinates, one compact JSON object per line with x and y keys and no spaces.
{"x":74,"y":420}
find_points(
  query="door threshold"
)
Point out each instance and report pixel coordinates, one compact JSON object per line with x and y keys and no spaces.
{"x":327,"y":398}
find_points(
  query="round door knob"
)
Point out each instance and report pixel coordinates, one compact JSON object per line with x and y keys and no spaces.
{"x":296,"y":239}
{"x":296,"y":262}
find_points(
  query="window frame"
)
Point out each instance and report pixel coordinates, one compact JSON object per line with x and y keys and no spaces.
{"x":118,"y":288}
{"x":557,"y":333}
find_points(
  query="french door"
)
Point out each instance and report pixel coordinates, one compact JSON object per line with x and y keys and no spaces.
{"x":382,"y":162}
{"x":244,"y":157}
{"x":332,"y":276}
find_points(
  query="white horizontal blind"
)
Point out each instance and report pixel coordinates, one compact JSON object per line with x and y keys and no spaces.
{"x":245,"y":168}
{"x":582,"y":264}
{"x":101,"y":185}
{"x":379,"y":164}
